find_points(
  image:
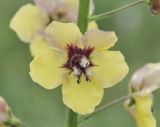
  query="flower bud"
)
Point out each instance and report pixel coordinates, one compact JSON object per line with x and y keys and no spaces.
{"x":146,"y":79}
{"x":141,"y":110}
{"x":144,"y":82}
{"x":4,"y":109}
{"x":154,"y":6}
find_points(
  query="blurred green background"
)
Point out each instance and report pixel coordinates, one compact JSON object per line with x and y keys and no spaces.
{"x":139,"y":41}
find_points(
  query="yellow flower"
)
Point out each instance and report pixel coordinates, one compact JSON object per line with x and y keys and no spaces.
{"x":82,"y":64}
{"x":62,"y":10}
{"x":144,"y":82}
{"x":141,"y":109}
{"x":40,"y":45}
{"x":28,"y":22}
{"x":31,"y":20}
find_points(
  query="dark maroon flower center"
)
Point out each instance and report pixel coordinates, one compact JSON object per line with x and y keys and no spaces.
{"x":79,"y":60}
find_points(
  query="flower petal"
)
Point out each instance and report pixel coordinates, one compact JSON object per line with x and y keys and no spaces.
{"x":46,"y":70}
{"x":28,"y":21}
{"x":61,"y":34}
{"x":146,"y":79}
{"x":100,"y":39}
{"x":91,"y":7}
{"x":151,"y":82}
{"x":72,"y":4}
{"x":81,"y":98}
{"x":49,"y":6}
{"x":92,"y":25}
{"x":143,"y":114}
{"x":39,"y":45}
{"x":110,"y":67}
{"x":71,"y":9}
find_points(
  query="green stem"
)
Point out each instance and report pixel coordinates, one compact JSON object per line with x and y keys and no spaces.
{"x":107,"y":14}
{"x":71,"y":120}
{"x":83,"y":15}
{"x":72,"y":117}
{"x":100,"y":109}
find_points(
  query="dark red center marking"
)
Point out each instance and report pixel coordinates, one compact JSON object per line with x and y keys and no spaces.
{"x":79,"y":60}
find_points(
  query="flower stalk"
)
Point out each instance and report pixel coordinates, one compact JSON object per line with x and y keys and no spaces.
{"x":109,"y":13}
{"x":7,"y":119}
{"x":72,"y":117}
{"x":83,"y":15}
{"x":14,"y":122}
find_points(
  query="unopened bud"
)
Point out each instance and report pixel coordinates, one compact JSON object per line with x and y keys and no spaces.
{"x":146,"y":79}
{"x":141,"y":109}
{"x":7,"y":119}
{"x":3,"y":110}
{"x":154,"y":6}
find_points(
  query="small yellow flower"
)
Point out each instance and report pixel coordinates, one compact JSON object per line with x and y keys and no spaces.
{"x":144,"y":82}
{"x":28,"y":22}
{"x":82,"y":64}
{"x":40,"y":45}
{"x":31,"y":20}
{"x":141,"y":109}
{"x":62,"y":10}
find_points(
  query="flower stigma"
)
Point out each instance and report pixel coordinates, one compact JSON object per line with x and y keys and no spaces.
{"x":79,"y":61}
